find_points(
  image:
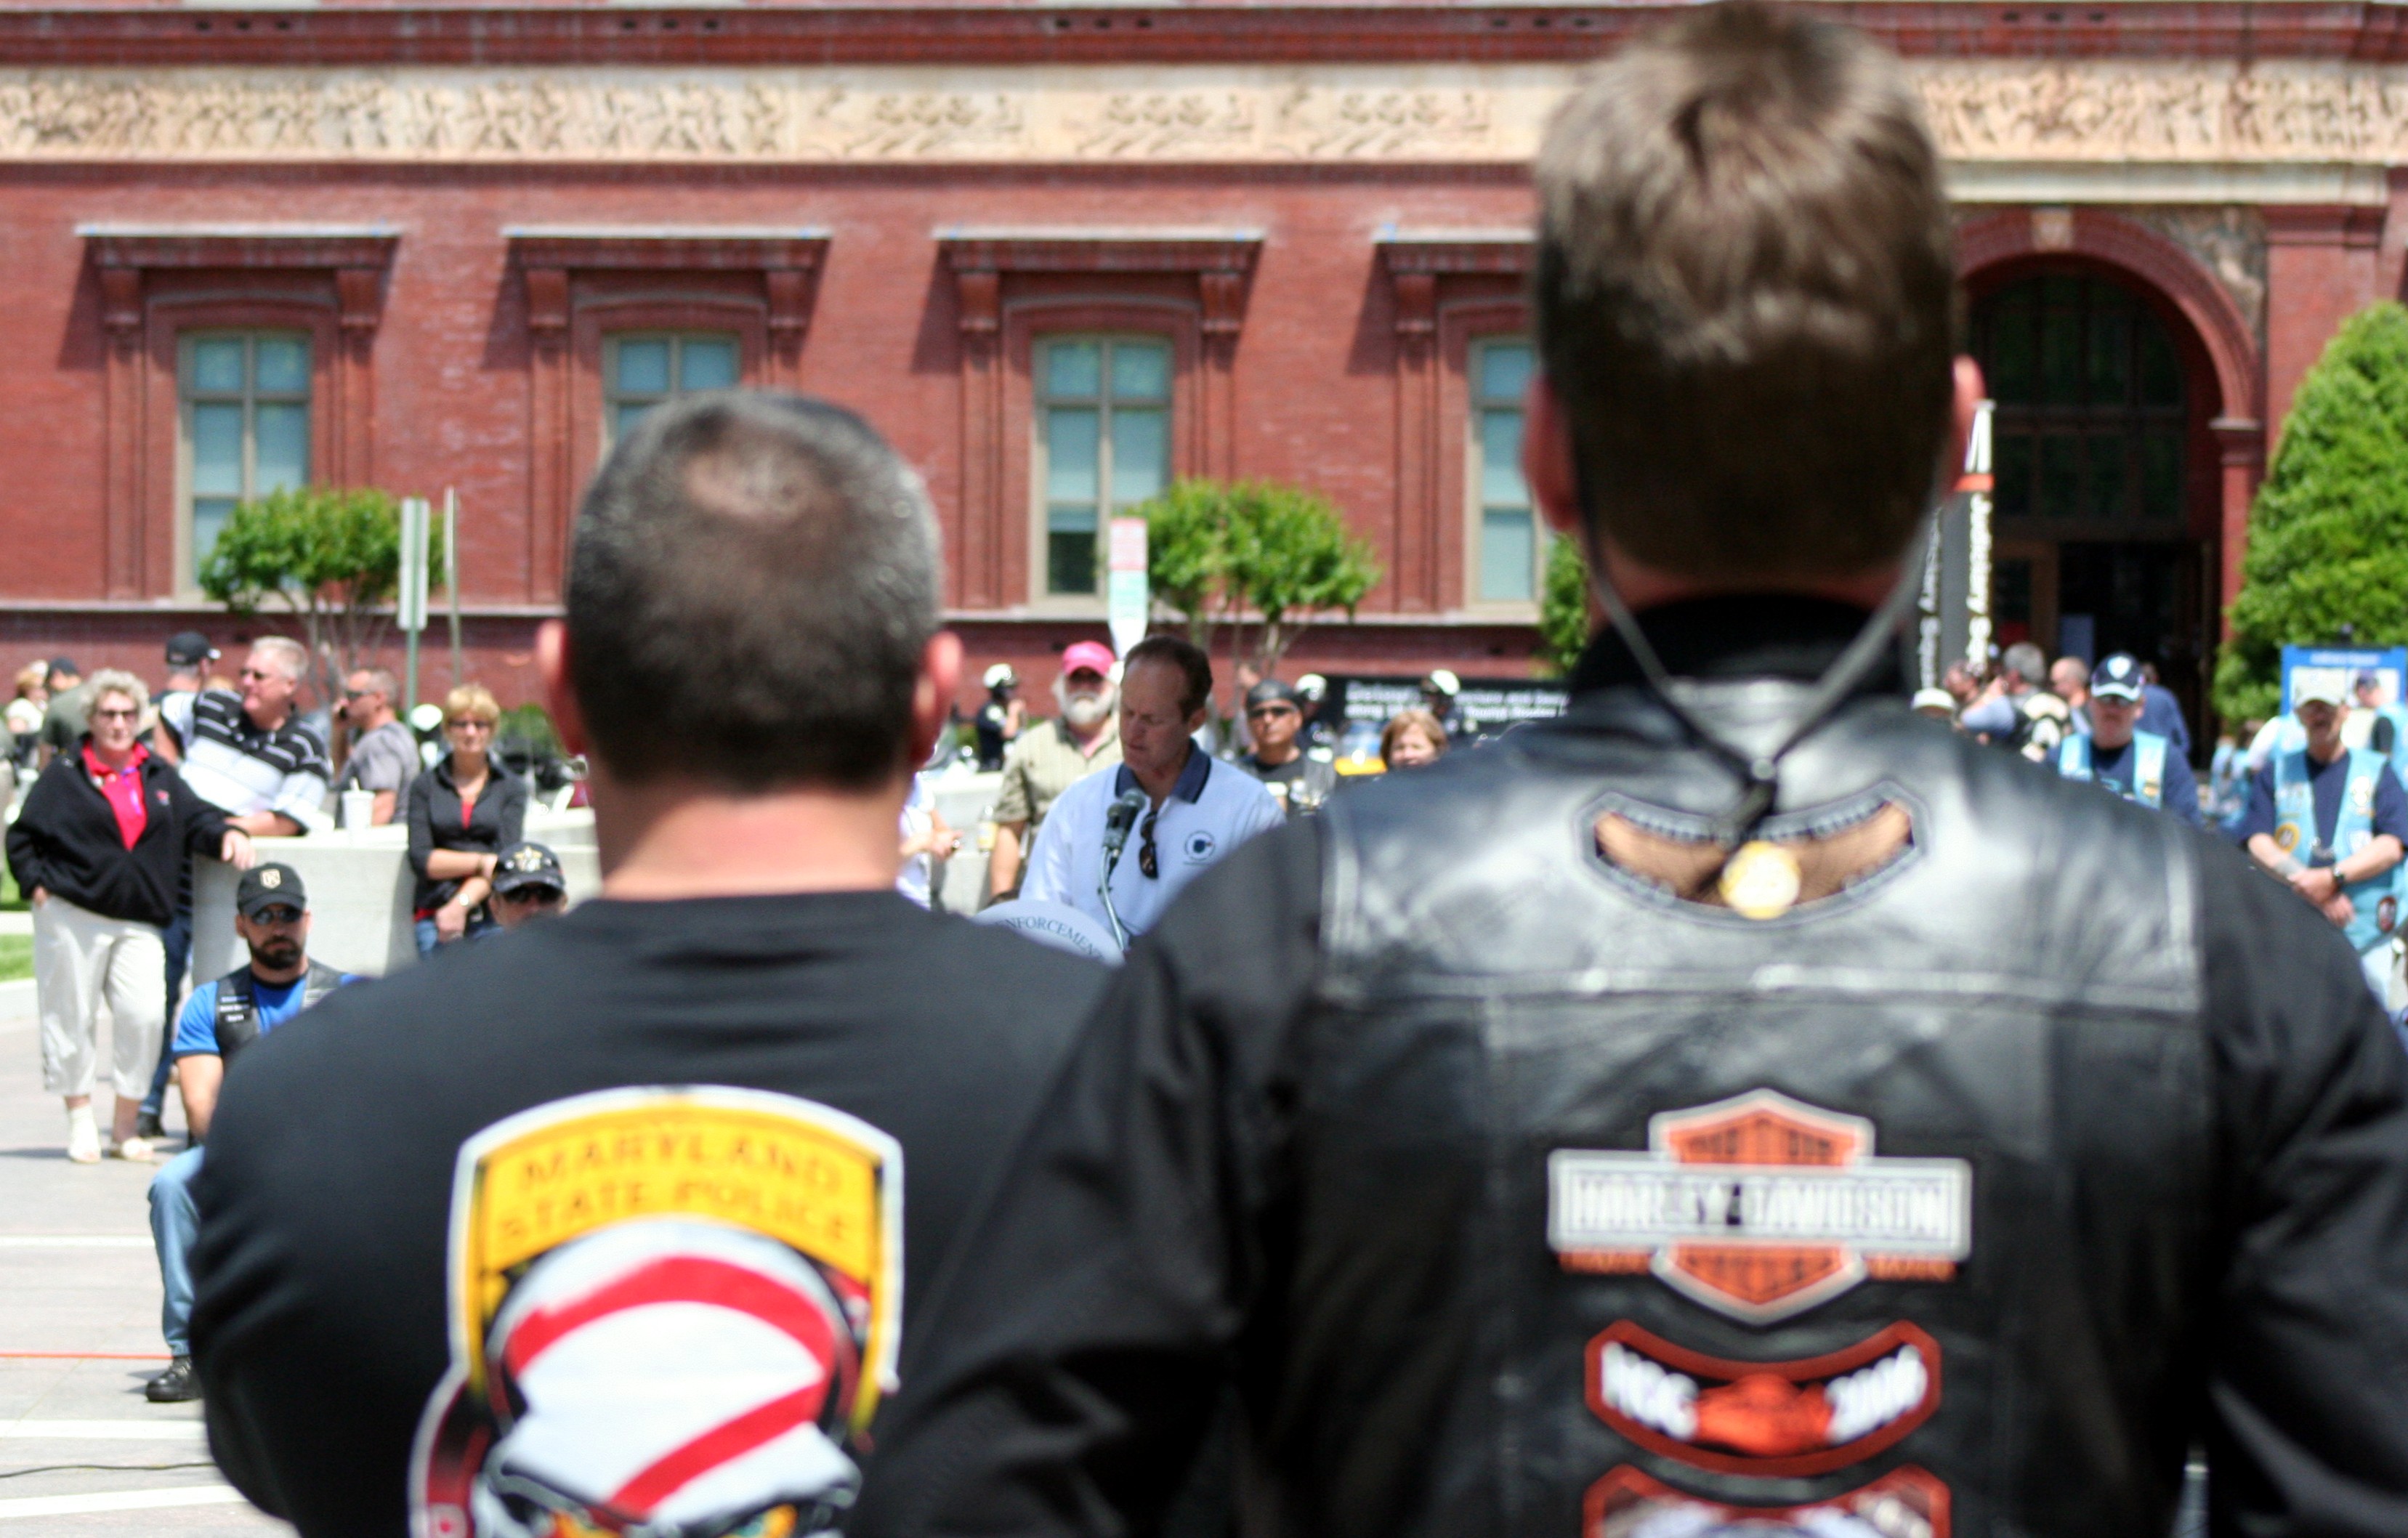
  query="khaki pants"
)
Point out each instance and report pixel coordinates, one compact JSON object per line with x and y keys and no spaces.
{"x":81,"y":960}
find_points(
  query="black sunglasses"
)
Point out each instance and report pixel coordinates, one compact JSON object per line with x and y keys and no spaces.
{"x":1147,"y":860}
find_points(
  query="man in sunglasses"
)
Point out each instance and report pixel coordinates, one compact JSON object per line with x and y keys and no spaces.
{"x":1275,"y":716}
{"x":1194,"y":813}
{"x":271,"y":914}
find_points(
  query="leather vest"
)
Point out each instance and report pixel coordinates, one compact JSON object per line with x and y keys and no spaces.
{"x":1650,"y":1204}
{"x":237,"y":1016}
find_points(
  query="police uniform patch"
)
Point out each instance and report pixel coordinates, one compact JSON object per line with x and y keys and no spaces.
{"x":1765,"y":1418}
{"x":672,"y":1310}
{"x":1759,"y":1207}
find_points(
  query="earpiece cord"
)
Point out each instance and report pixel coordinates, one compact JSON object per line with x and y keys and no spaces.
{"x":1761,"y":774}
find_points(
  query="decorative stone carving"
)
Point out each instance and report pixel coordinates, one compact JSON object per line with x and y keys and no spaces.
{"x":2229,"y":243}
{"x":2002,"y":110}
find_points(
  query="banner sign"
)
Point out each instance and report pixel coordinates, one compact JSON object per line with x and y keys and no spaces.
{"x":1484,"y":708}
{"x":1953,"y":622}
{"x":2339,"y":668}
{"x":1127,"y":599}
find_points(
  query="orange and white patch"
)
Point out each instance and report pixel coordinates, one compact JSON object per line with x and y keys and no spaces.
{"x":1767,"y":1418}
{"x":1905,"y":1503}
{"x":1760,"y":1208}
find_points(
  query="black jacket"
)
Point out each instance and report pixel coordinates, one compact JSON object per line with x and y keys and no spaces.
{"x":494,"y":823}
{"x":66,"y":839}
{"x":1520,"y":1196}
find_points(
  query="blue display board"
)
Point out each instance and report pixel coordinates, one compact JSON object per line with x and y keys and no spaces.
{"x":2341,"y":666}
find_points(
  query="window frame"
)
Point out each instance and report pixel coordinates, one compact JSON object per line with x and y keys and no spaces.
{"x":1474,"y":504}
{"x":1039,"y":456}
{"x":182,"y":343}
{"x":677,"y":337}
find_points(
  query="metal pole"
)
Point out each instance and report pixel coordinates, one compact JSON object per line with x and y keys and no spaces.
{"x":452,"y":576}
{"x":411,"y":601}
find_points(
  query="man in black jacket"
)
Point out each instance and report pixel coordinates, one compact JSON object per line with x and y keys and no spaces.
{"x":1742,"y":1106}
{"x":634,"y":1206}
{"x":98,"y":848}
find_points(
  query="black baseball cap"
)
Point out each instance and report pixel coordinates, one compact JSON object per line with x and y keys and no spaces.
{"x":66,"y":665}
{"x":190,"y":649}
{"x":2116,"y":678}
{"x":526,"y":864}
{"x":270,"y":885}
{"x":1273,"y":691}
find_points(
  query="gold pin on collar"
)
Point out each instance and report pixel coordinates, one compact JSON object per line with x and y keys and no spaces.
{"x":1761,"y":880}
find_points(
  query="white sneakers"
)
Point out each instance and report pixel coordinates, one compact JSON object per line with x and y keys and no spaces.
{"x":136,"y":1150}
{"x":83,"y":1136}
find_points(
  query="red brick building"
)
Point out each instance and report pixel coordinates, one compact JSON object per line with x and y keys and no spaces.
{"x":1060,"y":253}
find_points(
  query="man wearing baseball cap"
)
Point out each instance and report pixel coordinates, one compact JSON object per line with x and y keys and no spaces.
{"x":271,"y":913}
{"x":1275,"y":716}
{"x":2136,"y":765}
{"x":1051,"y":756}
{"x":2331,"y":821}
{"x":528,"y":883}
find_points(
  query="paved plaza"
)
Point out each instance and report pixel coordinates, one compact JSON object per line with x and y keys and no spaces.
{"x":81,"y":1451}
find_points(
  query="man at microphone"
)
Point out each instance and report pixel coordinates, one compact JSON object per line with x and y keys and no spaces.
{"x":1119,"y":845}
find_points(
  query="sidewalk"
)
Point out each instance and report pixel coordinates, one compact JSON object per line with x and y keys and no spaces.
{"x":80,"y":1337}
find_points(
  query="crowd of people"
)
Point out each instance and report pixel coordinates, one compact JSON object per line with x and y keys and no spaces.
{"x":1735,"y":1106}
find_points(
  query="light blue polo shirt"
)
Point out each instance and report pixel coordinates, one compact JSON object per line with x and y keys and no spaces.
{"x":1212,"y":810}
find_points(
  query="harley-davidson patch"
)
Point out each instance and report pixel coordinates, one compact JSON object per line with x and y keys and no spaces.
{"x":1759,"y":1207}
{"x":1905,"y":1503}
{"x":1769,"y":1419}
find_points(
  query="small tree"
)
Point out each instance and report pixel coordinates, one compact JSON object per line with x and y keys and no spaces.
{"x":2328,"y":535}
{"x":1563,"y":606}
{"x":1187,"y":553}
{"x":330,"y":558}
{"x":1254,"y":552}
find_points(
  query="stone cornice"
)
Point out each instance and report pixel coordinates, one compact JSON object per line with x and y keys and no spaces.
{"x":1011,"y":33}
{"x":2330,"y":114}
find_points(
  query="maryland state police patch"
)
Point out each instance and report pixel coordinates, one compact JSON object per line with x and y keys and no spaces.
{"x":673,"y":1311}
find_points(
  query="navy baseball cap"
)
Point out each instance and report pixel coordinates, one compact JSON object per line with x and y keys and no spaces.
{"x":190,"y":649}
{"x":2116,"y":678}
{"x":270,"y":885}
{"x":526,"y":864}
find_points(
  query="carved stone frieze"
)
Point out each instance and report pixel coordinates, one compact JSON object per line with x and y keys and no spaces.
{"x":2127,"y":111}
{"x":2231,"y":242}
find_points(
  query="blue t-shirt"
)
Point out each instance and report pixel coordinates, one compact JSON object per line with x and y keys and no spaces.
{"x":2114,"y":767}
{"x":2327,"y":780}
{"x":196,"y":1028}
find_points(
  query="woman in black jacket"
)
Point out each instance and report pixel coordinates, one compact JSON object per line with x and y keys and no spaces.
{"x":463,"y":814}
{"x":97,"y":848}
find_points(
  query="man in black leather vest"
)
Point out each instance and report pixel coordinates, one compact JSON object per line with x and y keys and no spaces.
{"x":1742,"y":1106}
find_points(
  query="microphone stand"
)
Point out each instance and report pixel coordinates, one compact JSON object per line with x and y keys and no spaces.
{"x":1117,"y":823}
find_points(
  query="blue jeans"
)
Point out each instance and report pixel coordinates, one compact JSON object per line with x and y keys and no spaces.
{"x":424,"y":931}
{"x":178,"y":938}
{"x":174,"y":1222}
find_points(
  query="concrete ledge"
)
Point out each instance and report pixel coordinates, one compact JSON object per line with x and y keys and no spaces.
{"x":359,"y":894}
{"x":17,"y":1000}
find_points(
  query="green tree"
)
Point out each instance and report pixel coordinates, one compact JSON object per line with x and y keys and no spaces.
{"x":1252,"y":555}
{"x":1185,"y":554}
{"x":330,"y":558}
{"x":1563,"y":606}
{"x":2329,"y":535}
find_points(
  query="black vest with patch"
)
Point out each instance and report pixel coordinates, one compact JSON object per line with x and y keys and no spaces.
{"x":237,"y":1019}
{"x":1655,"y":1206}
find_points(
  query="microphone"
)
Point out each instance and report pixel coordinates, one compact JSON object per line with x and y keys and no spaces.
{"x":1118,"y":821}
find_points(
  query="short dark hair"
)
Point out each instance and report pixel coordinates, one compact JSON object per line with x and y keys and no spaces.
{"x":752,"y":584}
{"x":1745,"y":297}
{"x":1182,"y":654}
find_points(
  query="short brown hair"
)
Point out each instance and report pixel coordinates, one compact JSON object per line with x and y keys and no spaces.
{"x":1745,"y":297}
{"x":474,"y":702}
{"x":1413,"y":718}
{"x":1195,"y":668}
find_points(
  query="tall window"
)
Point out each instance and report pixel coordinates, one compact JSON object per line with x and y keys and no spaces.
{"x":1103,"y":441}
{"x":1506,"y":542}
{"x":641,"y":370}
{"x":245,"y":424}
{"x":2090,"y":421}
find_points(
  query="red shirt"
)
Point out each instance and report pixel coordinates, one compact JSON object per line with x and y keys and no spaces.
{"x":123,"y":789}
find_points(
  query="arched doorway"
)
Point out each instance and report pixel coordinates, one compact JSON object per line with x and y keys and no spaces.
{"x":2106,"y":514}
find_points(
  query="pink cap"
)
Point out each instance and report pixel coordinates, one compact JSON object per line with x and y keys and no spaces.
{"x":1092,"y":655}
